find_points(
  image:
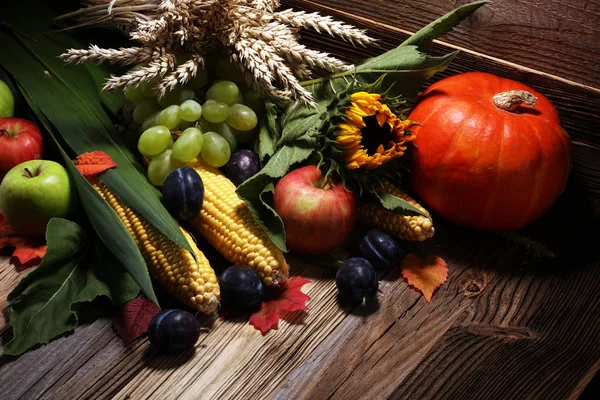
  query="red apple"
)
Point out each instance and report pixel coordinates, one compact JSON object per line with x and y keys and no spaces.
{"x":20,"y":141}
{"x":318,"y":213}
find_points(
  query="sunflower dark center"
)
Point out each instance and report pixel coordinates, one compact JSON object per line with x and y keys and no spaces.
{"x":374,"y":135}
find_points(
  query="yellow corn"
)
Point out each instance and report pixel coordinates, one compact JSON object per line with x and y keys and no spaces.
{"x":192,"y":282}
{"x":405,"y":227}
{"x":227,"y":223}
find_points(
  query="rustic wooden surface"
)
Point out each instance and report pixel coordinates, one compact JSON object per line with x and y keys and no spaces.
{"x":558,"y":37}
{"x":504,"y":326}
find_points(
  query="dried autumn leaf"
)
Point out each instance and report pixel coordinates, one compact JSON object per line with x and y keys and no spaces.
{"x":132,"y":319}
{"x":290,"y":298}
{"x":28,"y":250}
{"x":424,"y":273}
{"x":93,"y":163}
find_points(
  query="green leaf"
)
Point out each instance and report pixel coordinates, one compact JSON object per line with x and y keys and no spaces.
{"x":106,"y":222}
{"x":285,"y":157}
{"x":255,"y":192}
{"x":301,"y":123}
{"x":68,"y":97}
{"x":266,"y":198}
{"x":397,"y":205}
{"x":42,"y":306}
{"x":423,"y":38}
{"x":116,"y":283}
{"x":269,"y":131}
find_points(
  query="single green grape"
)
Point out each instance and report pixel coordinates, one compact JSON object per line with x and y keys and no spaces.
{"x":143,"y":110}
{"x":215,"y":150}
{"x":200,"y":80}
{"x":150,"y":121}
{"x":190,"y":110}
{"x":154,"y":140}
{"x":160,"y":166}
{"x":242,"y":117}
{"x":223,"y":91}
{"x":214,"y":111}
{"x":188,"y":145}
{"x":134,"y":94}
{"x":147,"y":88}
{"x":176,"y":96}
{"x":169,"y":117}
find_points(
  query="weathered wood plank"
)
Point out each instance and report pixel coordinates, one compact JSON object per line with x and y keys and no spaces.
{"x":10,"y":274}
{"x":558,"y":37}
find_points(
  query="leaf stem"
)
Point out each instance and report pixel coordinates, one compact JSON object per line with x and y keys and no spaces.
{"x":327,"y":78}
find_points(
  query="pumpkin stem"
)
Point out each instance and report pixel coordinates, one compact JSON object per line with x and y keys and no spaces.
{"x":512,"y":99}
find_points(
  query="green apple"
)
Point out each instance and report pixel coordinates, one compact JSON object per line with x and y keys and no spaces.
{"x":7,"y":101}
{"x":33,"y":192}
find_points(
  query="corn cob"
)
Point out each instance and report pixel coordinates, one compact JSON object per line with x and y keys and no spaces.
{"x":227,"y":223}
{"x":192,"y":282}
{"x":405,"y":227}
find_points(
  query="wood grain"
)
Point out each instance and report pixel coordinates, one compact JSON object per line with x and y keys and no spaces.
{"x":557,"y":37}
{"x":10,"y":274}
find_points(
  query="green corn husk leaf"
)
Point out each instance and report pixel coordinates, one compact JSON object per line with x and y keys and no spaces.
{"x":112,"y":101}
{"x":106,"y":222}
{"x":407,"y":65}
{"x":397,"y":205}
{"x":75,"y":270}
{"x":68,"y":96}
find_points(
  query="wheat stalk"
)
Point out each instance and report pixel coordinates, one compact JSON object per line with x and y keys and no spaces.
{"x":263,"y":41}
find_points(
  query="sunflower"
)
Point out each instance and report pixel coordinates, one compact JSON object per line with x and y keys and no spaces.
{"x":371,"y":134}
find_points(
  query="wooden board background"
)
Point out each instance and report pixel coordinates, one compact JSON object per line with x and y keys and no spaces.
{"x":505,"y":325}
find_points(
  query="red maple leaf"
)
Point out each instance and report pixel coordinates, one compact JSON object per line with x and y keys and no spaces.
{"x":93,"y":163}
{"x":289,"y":298}
{"x":28,"y":250}
{"x":424,"y":273}
{"x":132,"y":319}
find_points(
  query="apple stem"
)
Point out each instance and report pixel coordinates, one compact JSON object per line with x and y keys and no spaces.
{"x":323,"y":183}
{"x":4,"y":131}
{"x":28,"y":173}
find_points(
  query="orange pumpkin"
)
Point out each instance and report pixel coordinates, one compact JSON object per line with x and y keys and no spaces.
{"x":486,"y":156}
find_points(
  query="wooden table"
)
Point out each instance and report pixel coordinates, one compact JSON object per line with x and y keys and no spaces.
{"x":505,"y":326}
